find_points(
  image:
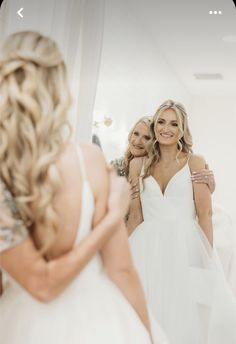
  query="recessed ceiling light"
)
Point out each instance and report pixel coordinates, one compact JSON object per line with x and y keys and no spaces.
{"x":229,"y":39}
{"x":208,"y":76}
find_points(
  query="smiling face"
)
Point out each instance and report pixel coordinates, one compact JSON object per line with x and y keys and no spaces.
{"x":166,"y":128}
{"x":138,"y":140}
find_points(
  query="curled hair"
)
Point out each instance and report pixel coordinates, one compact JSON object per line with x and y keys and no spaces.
{"x":184,"y":143}
{"x":34,"y":103}
{"x":128,"y":156}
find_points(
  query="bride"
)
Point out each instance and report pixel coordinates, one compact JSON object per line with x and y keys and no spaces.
{"x":60,"y":197}
{"x":173,"y":247}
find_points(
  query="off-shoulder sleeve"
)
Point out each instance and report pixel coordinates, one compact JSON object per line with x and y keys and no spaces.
{"x":12,"y":229}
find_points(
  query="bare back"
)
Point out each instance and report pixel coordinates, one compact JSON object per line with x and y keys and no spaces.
{"x":68,"y":200}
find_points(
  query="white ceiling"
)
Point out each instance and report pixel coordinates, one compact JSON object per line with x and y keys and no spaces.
{"x":192,"y":40}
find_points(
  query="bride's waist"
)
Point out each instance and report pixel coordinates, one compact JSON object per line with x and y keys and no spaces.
{"x":173,"y":213}
{"x":91,"y":275}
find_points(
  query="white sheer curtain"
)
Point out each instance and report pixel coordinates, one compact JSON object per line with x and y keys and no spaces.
{"x":77,"y":26}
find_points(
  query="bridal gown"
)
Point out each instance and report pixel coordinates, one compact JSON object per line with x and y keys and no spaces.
{"x":225,"y":243}
{"x":181,"y":274}
{"x":92,"y":310}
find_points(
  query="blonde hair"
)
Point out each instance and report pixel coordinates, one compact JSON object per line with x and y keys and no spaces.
{"x":184,"y":143}
{"x":34,"y":102}
{"x":128,"y":156}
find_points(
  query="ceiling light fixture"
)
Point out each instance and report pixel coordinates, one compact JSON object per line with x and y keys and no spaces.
{"x":107,"y":121}
{"x":208,"y":76}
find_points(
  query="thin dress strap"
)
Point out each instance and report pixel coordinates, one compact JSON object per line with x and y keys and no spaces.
{"x":82,"y":164}
{"x":189,"y":156}
{"x":87,"y":201}
{"x":142,"y":170}
{"x":140,"y":179}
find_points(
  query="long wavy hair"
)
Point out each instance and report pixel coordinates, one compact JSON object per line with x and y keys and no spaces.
{"x":34,"y":102}
{"x":128,"y":156}
{"x":184,"y":143}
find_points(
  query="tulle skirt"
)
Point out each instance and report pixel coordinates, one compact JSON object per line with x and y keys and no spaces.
{"x":87,"y":313}
{"x":184,"y":282}
{"x":225,"y":243}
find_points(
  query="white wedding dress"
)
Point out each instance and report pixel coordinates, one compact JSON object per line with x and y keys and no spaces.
{"x":92,"y":310}
{"x":225,"y":243}
{"x":182,"y":276}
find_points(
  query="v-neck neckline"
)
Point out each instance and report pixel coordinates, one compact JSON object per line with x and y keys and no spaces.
{"x":170,"y":181}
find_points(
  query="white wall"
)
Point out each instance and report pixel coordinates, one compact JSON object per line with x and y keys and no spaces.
{"x":77,"y":27}
{"x":134,"y":77}
{"x":213,"y":124}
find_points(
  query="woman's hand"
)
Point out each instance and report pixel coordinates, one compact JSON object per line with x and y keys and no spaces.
{"x":205,"y":176}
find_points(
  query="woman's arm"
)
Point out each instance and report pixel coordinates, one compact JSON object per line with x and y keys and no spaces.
{"x":205,"y":176}
{"x":45,"y":280}
{"x":119,"y":266}
{"x":118,"y":263}
{"x":202,"y":198}
{"x":135,"y":215}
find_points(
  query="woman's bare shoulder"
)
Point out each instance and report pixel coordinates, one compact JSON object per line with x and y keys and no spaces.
{"x":196,"y":162}
{"x":91,"y":154}
{"x":94,"y":162}
{"x":92,"y":151}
